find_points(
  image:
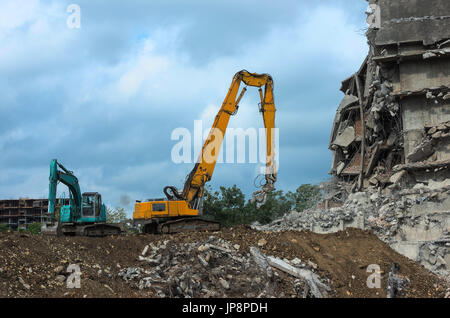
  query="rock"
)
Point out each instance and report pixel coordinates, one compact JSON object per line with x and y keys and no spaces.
{"x":145,"y":250}
{"x":374,"y":197}
{"x":318,"y":289}
{"x":373,"y":181}
{"x":60,"y":278}
{"x":437,"y":135}
{"x":59,"y":269}
{"x":109,"y":288}
{"x":395,"y":178}
{"x":224,"y":283}
{"x":340,"y":167}
{"x":428,"y":55}
{"x":236,"y":246}
{"x":262,"y":242}
{"x":25,"y":285}
{"x":261,"y":261}
{"x":150,"y":260}
{"x":346,"y":138}
{"x":395,"y":283}
{"x":313,"y":265}
{"x":202,"y":260}
{"x":432,"y":130}
{"x":218,"y":248}
{"x":429,"y":94}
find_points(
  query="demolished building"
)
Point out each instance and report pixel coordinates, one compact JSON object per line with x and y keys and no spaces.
{"x":393,"y":124}
{"x":391,"y":138}
{"x":391,"y":134}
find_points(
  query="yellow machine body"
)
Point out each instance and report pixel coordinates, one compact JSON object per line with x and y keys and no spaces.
{"x":162,"y":209}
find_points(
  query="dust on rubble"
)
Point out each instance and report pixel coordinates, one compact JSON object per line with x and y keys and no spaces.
{"x":238,"y":262}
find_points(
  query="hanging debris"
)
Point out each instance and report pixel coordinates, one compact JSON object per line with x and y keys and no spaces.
{"x":395,"y":110}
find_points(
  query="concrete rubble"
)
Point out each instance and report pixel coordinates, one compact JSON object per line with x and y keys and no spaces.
{"x":390,"y":138}
{"x":395,"y":108}
{"x":238,"y":262}
{"x":395,"y":282}
{"x":414,"y":221}
{"x":216,"y":269}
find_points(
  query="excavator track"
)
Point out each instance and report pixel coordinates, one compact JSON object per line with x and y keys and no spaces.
{"x":182,"y":225}
{"x":93,"y":230}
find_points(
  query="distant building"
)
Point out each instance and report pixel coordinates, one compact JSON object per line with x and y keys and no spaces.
{"x":18,"y":214}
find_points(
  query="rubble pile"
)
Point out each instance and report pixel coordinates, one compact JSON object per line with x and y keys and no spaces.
{"x":417,"y":217}
{"x":365,"y":150}
{"x":396,"y":283}
{"x":434,"y":138}
{"x":217,"y":268}
{"x":238,"y":262}
{"x":390,"y":138}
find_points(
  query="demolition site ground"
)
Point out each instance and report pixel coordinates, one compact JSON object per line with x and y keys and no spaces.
{"x":208,"y":264}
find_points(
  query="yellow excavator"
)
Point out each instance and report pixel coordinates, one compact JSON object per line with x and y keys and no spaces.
{"x":182,"y":212}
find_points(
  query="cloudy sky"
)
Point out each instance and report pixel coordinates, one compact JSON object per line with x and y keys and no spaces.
{"x":104,"y":98}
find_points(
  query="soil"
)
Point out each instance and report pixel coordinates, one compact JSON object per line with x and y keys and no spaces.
{"x":33,"y":265}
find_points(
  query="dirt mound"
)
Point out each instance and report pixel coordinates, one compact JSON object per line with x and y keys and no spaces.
{"x":215,"y":264}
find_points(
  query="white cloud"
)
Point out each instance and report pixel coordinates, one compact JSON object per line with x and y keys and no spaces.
{"x":126,"y":107}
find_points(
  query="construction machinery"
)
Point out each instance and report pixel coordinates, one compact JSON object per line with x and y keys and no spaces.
{"x":182,"y":210}
{"x":84,"y":216}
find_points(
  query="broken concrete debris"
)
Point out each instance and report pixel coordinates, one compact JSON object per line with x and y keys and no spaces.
{"x":413,"y":221}
{"x":290,"y":264}
{"x":395,"y":107}
{"x":225,"y":267}
{"x":390,"y":138}
{"x":315,"y":286}
{"x":395,"y":282}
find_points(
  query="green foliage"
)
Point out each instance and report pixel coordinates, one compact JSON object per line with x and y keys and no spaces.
{"x":116,"y":215}
{"x":3,"y":227}
{"x":228,"y":205}
{"x":305,"y":197}
{"x":34,"y":228}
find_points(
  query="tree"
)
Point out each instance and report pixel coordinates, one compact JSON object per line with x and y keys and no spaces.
{"x":305,"y":197}
{"x":116,"y":215}
{"x":229,"y":207}
{"x":34,"y":228}
{"x":225,"y":206}
{"x":3,"y":227}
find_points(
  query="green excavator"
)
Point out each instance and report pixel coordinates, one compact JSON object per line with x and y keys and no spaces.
{"x":84,"y":216}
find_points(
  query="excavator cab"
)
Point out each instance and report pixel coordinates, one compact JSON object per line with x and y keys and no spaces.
{"x":89,"y":202}
{"x":91,"y":206}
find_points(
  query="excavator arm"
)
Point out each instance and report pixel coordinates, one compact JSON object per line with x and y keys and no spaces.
{"x":66,"y":177}
{"x":204,"y":168}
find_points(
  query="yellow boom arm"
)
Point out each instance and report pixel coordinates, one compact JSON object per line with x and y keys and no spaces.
{"x":204,"y":168}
